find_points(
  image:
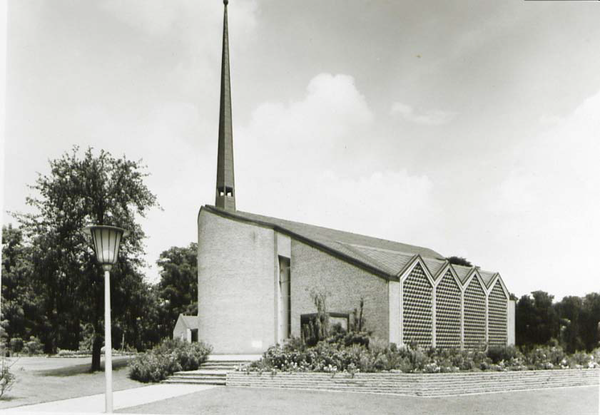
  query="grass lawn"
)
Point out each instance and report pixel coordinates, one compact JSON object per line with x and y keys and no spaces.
{"x":223,"y":400}
{"x":44,"y":379}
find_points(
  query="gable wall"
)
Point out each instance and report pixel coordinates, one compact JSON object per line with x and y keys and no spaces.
{"x":497,"y":314}
{"x":180,"y":329}
{"x":418,"y":305}
{"x":474,"y":318}
{"x":344,"y":283}
{"x":236,"y":277}
{"x":448,"y":310}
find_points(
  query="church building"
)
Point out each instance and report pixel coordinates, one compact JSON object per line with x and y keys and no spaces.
{"x":258,"y":275}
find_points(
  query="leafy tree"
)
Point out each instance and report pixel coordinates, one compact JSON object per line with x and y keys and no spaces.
{"x":590,"y":321}
{"x":537,"y":321}
{"x":178,"y":287}
{"x":19,"y":306}
{"x":546,"y":324}
{"x":79,"y":191}
{"x":524,"y":321}
{"x":574,"y":322}
{"x":458,"y":260}
{"x":569,"y":313}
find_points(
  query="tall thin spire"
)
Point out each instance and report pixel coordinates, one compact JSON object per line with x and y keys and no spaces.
{"x":225,"y":198}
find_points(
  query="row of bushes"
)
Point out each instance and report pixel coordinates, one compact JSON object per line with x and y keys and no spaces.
{"x":168,"y":357}
{"x":31,"y":347}
{"x":377,"y":356}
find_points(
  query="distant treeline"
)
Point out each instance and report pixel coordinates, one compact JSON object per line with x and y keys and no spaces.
{"x":573,"y":322}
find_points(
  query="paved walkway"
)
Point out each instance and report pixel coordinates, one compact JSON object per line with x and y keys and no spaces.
{"x":121,"y":399}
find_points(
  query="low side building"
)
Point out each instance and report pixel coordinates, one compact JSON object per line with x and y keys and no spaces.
{"x":186,"y":328}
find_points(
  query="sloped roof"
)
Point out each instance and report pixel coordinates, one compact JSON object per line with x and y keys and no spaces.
{"x":392,"y":261}
{"x":379,"y":256}
{"x":487,"y":277}
{"x":191,"y":322}
{"x":434,"y":266}
{"x":462,"y":272}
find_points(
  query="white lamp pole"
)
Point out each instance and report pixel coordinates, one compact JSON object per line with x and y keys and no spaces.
{"x":106,"y":241}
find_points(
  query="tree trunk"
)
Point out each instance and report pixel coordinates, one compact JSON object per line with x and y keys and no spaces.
{"x":98,"y":329}
{"x":98,"y":337}
{"x":96,"y":351}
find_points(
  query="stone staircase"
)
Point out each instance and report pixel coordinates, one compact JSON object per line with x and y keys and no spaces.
{"x":212,"y":372}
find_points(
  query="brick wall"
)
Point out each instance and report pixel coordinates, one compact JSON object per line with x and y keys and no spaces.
{"x":344,"y":283}
{"x":236,"y":277}
{"x":418,"y":384}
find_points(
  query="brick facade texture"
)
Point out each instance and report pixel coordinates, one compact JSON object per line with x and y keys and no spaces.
{"x":345,"y":285}
{"x":236,"y":277}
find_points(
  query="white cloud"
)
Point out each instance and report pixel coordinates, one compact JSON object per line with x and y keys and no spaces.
{"x":432,"y":117}
{"x":548,"y":206}
{"x":196,"y":29}
{"x":154,"y":17}
{"x":307,"y":134}
{"x":299,"y":161}
{"x":158,"y":17}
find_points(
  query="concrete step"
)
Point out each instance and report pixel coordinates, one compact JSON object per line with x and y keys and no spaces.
{"x":391,"y":385}
{"x":417,"y":379}
{"x":224,"y":364}
{"x":384,"y":390}
{"x":201,"y":377}
{"x":196,"y":381}
{"x":348,"y":383}
{"x":202,"y":372}
{"x":227,"y":362}
{"x":418,"y":384}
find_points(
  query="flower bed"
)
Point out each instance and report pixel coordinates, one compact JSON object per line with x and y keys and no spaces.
{"x":336,"y":357}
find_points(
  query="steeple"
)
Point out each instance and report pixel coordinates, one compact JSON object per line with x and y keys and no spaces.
{"x":225,"y":198}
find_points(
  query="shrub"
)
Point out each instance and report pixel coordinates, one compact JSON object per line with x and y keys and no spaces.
{"x":545,"y":357}
{"x":503,"y":353}
{"x":7,"y":379}
{"x":16,"y":345}
{"x":33,"y":346}
{"x":350,"y":338}
{"x":579,"y":360}
{"x":168,"y":357}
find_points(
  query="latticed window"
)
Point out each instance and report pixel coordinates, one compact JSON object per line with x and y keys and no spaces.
{"x":447,"y":317}
{"x":474,"y":314}
{"x":417,"y":297}
{"x":497,"y":309}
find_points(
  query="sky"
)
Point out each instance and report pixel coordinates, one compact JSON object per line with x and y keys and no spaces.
{"x":469,"y":127}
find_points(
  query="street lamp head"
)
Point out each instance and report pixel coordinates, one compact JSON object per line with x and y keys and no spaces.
{"x":106,"y":240}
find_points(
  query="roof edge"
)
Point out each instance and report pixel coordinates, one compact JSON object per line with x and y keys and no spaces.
{"x":231,"y":215}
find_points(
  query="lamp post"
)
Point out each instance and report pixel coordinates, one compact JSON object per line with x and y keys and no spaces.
{"x":106,"y":240}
